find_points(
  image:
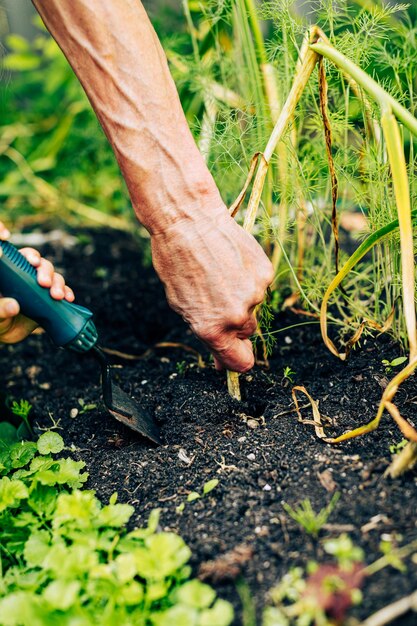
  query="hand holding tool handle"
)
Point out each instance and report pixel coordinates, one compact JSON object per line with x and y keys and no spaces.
{"x":69,"y":325}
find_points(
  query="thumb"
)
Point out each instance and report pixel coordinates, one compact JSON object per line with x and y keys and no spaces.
{"x":237,"y":356}
{"x":9,"y":307}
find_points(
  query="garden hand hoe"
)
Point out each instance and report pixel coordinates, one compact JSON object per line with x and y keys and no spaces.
{"x":69,"y":326}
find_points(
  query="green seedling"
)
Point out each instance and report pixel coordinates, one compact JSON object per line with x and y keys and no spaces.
{"x":307,"y":518}
{"x":85,"y":407}
{"x":21,"y":428}
{"x":288,"y":374}
{"x":323,"y":595}
{"x":181,"y":367}
{"x":392,"y":555}
{"x":22,"y":410}
{"x":195,"y":495}
{"x":344,"y":551}
{"x":395,"y":448}
{"x":389,"y":365}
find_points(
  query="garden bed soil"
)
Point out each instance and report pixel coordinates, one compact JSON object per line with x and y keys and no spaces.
{"x":206,"y":434}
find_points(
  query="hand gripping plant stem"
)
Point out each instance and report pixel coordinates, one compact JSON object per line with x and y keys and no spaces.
{"x":302,"y":76}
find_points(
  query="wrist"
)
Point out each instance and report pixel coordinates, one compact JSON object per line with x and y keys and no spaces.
{"x":197,"y":201}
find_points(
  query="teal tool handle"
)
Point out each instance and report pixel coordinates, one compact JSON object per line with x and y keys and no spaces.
{"x":69,"y":325}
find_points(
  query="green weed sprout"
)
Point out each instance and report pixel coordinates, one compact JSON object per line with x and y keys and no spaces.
{"x":22,"y":410}
{"x":394,"y":363}
{"x":288,"y":374}
{"x":195,"y":495}
{"x":344,"y":551}
{"x":307,"y":518}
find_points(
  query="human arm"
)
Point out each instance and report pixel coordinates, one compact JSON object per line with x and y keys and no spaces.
{"x":214,"y":273}
{"x":15,"y":327}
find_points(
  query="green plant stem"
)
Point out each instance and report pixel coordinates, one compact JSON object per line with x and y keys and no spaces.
{"x":375,"y":90}
{"x":256,"y":31}
{"x":402,"y":196}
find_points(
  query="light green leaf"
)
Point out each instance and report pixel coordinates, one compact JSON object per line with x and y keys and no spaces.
{"x":197,"y":594}
{"x":17,"y":43}
{"x":142,"y":533}
{"x":78,"y":509}
{"x":42,"y":500}
{"x":50,"y":443}
{"x":274,"y":617}
{"x":210,"y":485}
{"x":221,"y":614}
{"x":62,"y":594}
{"x":398,"y":361}
{"x":17,"y":609}
{"x":125,"y":565}
{"x":194,"y":495}
{"x":163,"y":555}
{"x":131,"y":594}
{"x":22,"y":453}
{"x":64,"y":472}
{"x":178,"y":615}
{"x":37,"y":547}
{"x":41,"y":463}
{"x":156,"y":591}
{"x":21,"y":61}
{"x":114,"y":515}
{"x":11,"y":492}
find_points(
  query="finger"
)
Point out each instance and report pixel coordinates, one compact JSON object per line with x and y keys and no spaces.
{"x":32,"y":255}
{"x":45,"y":273}
{"x":8,"y":308}
{"x":237,"y":356}
{"x":4,"y":232}
{"x":58,"y":286}
{"x":69,"y":294}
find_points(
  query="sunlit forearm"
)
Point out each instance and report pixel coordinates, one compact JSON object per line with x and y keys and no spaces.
{"x":117,"y":56}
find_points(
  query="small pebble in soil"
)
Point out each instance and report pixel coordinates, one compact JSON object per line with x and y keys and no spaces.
{"x":73,"y":413}
{"x":287,"y":340}
{"x":267,"y":487}
{"x":251,"y":456}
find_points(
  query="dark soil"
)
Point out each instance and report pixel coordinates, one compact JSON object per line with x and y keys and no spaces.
{"x":206,"y":434}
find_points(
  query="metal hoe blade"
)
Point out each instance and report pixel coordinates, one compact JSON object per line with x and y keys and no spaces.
{"x":121,"y":406}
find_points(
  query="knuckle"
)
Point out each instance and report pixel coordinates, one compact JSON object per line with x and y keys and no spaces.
{"x":210,"y":336}
{"x":268,"y":273}
{"x":238,"y":317}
